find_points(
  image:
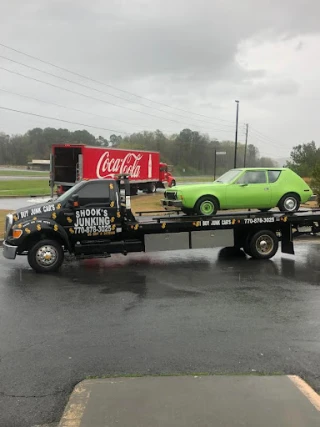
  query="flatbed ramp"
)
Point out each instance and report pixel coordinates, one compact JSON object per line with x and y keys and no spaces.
{"x":197,"y":401}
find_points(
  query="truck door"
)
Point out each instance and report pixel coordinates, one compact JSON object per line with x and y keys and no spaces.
{"x":96,"y":215}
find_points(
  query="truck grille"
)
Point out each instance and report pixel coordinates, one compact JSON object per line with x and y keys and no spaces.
{"x":170,"y":195}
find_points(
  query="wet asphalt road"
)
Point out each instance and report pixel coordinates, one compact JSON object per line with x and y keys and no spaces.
{"x":197,"y":311}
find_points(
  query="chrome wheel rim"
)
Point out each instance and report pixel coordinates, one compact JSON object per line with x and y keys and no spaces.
{"x":290,"y":204}
{"x":46,"y":256}
{"x":207,"y":207}
{"x":264,"y":244}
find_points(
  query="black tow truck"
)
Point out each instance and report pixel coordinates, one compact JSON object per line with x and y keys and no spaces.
{"x":94,"y":219}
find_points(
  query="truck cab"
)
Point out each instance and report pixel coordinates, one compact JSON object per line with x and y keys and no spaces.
{"x":88,"y":219}
{"x":165,"y":174}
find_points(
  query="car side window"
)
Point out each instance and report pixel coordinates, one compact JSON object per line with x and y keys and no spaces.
{"x":253,"y":177}
{"x":273,"y":176}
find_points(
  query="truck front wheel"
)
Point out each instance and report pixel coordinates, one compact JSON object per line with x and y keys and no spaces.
{"x":46,"y":256}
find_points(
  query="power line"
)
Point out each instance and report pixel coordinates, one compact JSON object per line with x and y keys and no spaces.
{"x":67,"y":108}
{"x":110,"y":86}
{"x":97,"y":90}
{"x":101,"y":100}
{"x":78,"y":110}
{"x":61,"y":120}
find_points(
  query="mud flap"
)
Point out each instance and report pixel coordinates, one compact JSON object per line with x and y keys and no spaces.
{"x":286,"y":239}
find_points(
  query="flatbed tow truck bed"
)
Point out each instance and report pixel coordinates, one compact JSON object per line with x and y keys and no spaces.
{"x":88,"y":228}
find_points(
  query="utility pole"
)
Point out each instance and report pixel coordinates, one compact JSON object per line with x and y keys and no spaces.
{"x":236,"y":139}
{"x":245,"y":147}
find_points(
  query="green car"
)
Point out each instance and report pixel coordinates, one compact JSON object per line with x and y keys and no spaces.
{"x":247,"y":188}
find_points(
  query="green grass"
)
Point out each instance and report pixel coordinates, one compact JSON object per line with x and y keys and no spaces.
{"x":22,"y":173}
{"x":181,"y":179}
{"x":25,"y":187}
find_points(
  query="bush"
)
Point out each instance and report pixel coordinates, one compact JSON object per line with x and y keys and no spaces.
{"x":315,"y":182}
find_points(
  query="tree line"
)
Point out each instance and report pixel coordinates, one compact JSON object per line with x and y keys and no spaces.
{"x":190,"y":152}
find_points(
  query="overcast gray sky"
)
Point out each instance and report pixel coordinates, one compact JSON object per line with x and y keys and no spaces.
{"x":196,"y":55}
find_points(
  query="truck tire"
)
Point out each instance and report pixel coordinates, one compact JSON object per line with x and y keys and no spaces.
{"x":289,"y":203}
{"x":206,"y":205}
{"x":46,"y":256}
{"x":264,"y":244}
{"x":246,"y":247}
{"x":152,"y":188}
{"x":133,"y":190}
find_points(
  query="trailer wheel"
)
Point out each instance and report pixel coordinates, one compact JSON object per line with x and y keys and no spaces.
{"x":264,"y":244}
{"x":152,"y":188}
{"x":46,"y":256}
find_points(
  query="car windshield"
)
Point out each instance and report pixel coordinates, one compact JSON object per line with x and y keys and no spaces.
{"x":67,"y":194}
{"x":228,"y":176}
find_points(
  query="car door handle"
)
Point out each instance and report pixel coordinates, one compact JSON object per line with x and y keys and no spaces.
{"x":266,"y":189}
{"x":243,"y":185}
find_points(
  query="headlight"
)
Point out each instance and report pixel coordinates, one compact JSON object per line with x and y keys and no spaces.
{"x":8,"y":224}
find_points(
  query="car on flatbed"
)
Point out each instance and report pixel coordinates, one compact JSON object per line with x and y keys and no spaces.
{"x":245,"y":188}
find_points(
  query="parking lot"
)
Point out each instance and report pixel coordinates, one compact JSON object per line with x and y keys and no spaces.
{"x":197,"y":311}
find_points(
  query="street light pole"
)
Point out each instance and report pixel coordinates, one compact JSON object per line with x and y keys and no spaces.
{"x":245,"y":147}
{"x":215,"y":163}
{"x":236,"y":139}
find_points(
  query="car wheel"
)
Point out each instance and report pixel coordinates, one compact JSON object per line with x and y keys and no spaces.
{"x":289,"y":203}
{"x":264,"y":244}
{"x":46,"y":256}
{"x":206,"y":206}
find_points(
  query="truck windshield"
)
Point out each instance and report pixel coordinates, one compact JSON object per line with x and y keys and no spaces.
{"x":229,"y":176}
{"x":67,"y":194}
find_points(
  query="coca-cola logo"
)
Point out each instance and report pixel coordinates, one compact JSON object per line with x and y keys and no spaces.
{"x":129,"y":165}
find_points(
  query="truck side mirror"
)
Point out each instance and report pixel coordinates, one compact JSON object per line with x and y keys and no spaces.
{"x":74,"y":200}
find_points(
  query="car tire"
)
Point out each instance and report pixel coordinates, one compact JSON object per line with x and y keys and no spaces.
{"x":46,"y":256}
{"x":207,"y":206}
{"x":264,"y":244}
{"x":289,"y":203}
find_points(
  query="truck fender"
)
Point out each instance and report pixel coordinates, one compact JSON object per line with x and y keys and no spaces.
{"x":40,"y":227}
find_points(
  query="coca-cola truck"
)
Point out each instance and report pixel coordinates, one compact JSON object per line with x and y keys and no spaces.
{"x":71,"y":163}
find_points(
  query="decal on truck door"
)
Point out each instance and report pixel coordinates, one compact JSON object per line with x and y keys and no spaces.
{"x":93,"y":222}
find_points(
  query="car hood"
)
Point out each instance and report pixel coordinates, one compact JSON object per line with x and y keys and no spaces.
{"x":192,"y":187}
{"x":40,"y":209}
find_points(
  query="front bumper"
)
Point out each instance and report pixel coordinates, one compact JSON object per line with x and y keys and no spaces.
{"x":171,"y":203}
{"x":9,"y":251}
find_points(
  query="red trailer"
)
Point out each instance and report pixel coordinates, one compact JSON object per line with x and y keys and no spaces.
{"x":71,"y":163}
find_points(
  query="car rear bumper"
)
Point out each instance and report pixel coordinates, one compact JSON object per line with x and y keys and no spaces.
{"x":9,"y":251}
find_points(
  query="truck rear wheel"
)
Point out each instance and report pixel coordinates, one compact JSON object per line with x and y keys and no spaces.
{"x":264,"y":244}
{"x":152,"y":188}
{"x":46,"y":256}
